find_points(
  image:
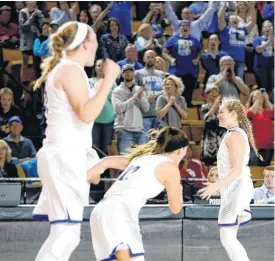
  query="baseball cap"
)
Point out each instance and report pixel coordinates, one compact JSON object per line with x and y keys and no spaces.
{"x":128,"y":67}
{"x":15,"y":118}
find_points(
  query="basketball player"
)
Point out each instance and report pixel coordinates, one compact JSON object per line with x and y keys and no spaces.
{"x":149,"y":169}
{"x":64,"y":159}
{"x":235,"y":182}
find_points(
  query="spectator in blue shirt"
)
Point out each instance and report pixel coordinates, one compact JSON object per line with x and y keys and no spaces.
{"x":210,"y":59}
{"x":63,"y":13}
{"x":43,"y":48}
{"x":233,"y":37}
{"x":183,"y":53}
{"x":122,"y":11}
{"x":197,"y":26}
{"x":198,"y":8}
{"x":264,"y":58}
{"x":131,"y":57}
{"x":157,"y":21}
{"x":113,"y":43}
{"x":39,"y":40}
{"x":22,"y":148}
{"x":268,"y":11}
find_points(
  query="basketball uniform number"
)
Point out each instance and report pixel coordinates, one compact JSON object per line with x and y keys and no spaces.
{"x":128,"y":171}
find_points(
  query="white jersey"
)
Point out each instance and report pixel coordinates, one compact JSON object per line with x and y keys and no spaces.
{"x":114,"y":221}
{"x":64,"y":158}
{"x":223,"y":161}
{"x":63,"y":126}
{"x":235,"y":196}
{"x":138,"y":182}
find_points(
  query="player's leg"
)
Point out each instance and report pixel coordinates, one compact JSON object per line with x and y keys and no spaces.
{"x":232,"y":245}
{"x":61,"y":242}
{"x":124,"y":255}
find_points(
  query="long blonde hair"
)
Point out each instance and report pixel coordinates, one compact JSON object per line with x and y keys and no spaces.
{"x":58,"y":44}
{"x":244,"y":123}
{"x":8,"y":150}
{"x":161,"y":141}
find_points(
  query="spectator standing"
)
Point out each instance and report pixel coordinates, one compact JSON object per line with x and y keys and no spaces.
{"x":264,"y":57}
{"x":233,"y":37}
{"x":122,"y":11}
{"x":131,"y":57}
{"x":62,"y":13}
{"x":171,"y":106}
{"x":151,"y":80}
{"x":157,"y":21}
{"x":103,"y":126}
{"x":129,"y":103}
{"x":22,"y":148}
{"x":197,"y":26}
{"x":183,"y":53}
{"x":113,"y":44}
{"x":212,"y":133}
{"x":260,"y":111}
{"x":146,"y":41}
{"x":30,"y":22}
{"x":243,"y":11}
{"x":210,"y":59}
{"x":230,"y":85}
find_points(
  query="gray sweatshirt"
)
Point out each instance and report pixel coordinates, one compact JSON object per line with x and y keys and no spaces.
{"x":29,"y":24}
{"x":129,"y":109}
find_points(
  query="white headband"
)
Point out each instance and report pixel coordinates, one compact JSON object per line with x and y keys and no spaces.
{"x":82,"y":30}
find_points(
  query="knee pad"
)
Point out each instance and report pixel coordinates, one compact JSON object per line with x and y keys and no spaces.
{"x":66,"y":240}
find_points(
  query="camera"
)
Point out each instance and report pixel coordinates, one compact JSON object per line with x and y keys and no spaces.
{"x":262,"y":90}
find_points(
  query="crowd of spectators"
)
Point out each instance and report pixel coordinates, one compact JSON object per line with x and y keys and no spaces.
{"x":174,"y":50}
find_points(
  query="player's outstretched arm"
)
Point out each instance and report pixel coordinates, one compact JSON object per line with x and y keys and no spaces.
{"x":112,"y":162}
{"x":169,"y":174}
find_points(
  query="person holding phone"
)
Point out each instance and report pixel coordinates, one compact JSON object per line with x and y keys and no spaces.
{"x":260,"y":112}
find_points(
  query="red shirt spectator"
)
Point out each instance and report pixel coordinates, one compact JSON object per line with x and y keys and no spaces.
{"x":193,"y":168}
{"x":7,"y":29}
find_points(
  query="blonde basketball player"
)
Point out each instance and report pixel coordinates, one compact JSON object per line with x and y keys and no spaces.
{"x":235,"y":184}
{"x":149,"y":169}
{"x":65,"y":157}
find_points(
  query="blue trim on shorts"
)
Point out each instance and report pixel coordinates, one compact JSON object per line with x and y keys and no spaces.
{"x":41,"y":217}
{"x":236,"y":222}
{"x":46,"y":218}
{"x":112,"y":256}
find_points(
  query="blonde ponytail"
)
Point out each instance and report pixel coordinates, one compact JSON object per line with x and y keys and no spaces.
{"x":244,"y":123}
{"x":58,"y":44}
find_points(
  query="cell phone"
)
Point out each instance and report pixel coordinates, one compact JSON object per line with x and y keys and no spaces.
{"x":262,"y":90}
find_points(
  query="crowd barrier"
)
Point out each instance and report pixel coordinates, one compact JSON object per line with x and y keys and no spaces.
{"x":192,"y":235}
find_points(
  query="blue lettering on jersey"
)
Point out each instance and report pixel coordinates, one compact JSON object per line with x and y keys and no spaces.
{"x":126,"y":172}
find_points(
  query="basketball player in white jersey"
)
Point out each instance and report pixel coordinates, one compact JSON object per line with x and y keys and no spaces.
{"x":148,"y":170}
{"x":65,"y":157}
{"x":235,"y":184}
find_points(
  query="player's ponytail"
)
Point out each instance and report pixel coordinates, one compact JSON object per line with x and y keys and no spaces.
{"x":244,"y":123}
{"x":167,"y":140}
{"x":69,"y":34}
